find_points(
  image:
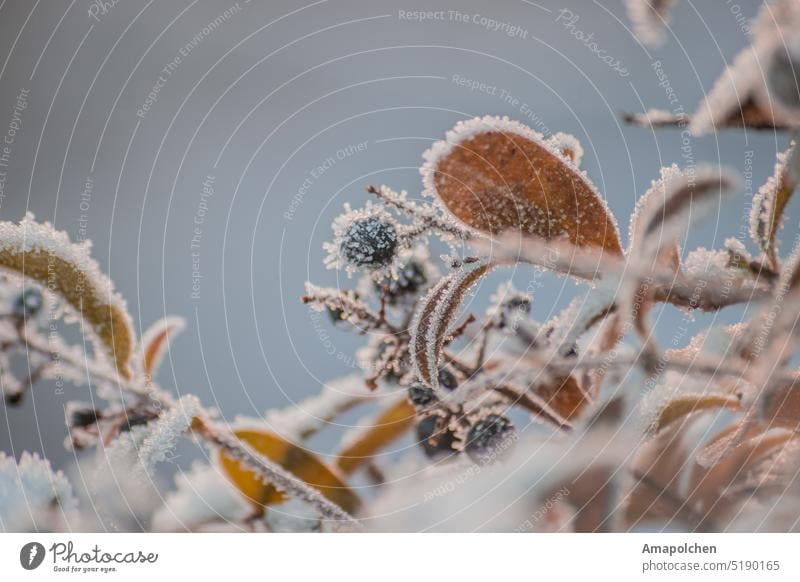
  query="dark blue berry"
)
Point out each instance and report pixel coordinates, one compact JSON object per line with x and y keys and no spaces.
{"x":435,"y":444}
{"x":28,"y":303}
{"x":369,"y":242}
{"x":447,"y":379}
{"x":410,"y":280}
{"x":488,"y":437}
{"x":83,"y":417}
{"x":420,"y":395}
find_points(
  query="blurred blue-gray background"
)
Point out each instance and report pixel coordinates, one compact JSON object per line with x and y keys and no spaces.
{"x":267,"y":102}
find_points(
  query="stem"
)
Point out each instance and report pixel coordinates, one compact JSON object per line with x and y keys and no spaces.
{"x":272,"y":473}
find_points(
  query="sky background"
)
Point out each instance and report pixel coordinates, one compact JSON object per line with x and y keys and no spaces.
{"x":258,"y":104}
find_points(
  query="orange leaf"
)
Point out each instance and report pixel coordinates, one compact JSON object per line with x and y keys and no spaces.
{"x":300,"y":462}
{"x":389,"y":425}
{"x":493,"y":175}
{"x":564,"y":395}
{"x":155,"y":342}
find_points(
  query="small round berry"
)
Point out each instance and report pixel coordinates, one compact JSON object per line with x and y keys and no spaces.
{"x":420,"y":395}
{"x":436,"y":446}
{"x":14,"y":398}
{"x":410,"y":280}
{"x":28,"y":303}
{"x":488,"y":437}
{"x":83,"y":417}
{"x":369,"y":242}
{"x":447,"y":379}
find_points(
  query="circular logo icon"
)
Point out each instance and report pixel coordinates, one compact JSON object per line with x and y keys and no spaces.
{"x":31,"y":555}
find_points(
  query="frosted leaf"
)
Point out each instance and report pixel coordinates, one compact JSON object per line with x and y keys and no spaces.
{"x":155,"y":344}
{"x":681,"y":406}
{"x":29,"y":489}
{"x":731,"y":93}
{"x":770,"y":201}
{"x":37,"y":251}
{"x":573,"y":321}
{"x":362,"y":443}
{"x":493,"y":174}
{"x":740,"y":97}
{"x":201,"y":495}
{"x":290,"y":469}
{"x":435,"y":314}
{"x":672,"y":203}
{"x":650,"y":18}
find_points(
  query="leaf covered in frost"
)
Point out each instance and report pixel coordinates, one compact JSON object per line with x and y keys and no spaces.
{"x":494,"y":174}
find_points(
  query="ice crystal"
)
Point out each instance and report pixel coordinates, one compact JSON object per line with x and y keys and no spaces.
{"x":29,"y":489}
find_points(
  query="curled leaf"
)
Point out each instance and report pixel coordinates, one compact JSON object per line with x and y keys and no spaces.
{"x":682,"y":406}
{"x":672,"y":202}
{"x":770,"y":202}
{"x":494,"y":174}
{"x":39,"y":252}
{"x":780,"y":406}
{"x":708,"y":484}
{"x":301,"y":463}
{"x":435,"y":315}
{"x":156,"y":341}
{"x":389,"y":425}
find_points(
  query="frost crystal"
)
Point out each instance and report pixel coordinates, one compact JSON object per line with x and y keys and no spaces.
{"x":164,"y":432}
{"x":29,"y":489}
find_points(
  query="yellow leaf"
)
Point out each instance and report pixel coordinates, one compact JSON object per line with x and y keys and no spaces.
{"x":38,"y":252}
{"x":389,"y":425}
{"x":300,"y":462}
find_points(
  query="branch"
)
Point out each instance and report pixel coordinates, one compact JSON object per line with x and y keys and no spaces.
{"x":271,"y":472}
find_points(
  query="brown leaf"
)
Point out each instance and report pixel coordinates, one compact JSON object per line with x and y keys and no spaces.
{"x":781,"y":406}
{"x":435,"y":315}
{"x":389,"y":425}
{"x":707,"y":485}
{"x":301,"y":463}
{"x":564,"y":395}
{"x":682,"y":406}
{"x":499,"y":175}
{"x":771,"y":200}
{"x":155,"y":343}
